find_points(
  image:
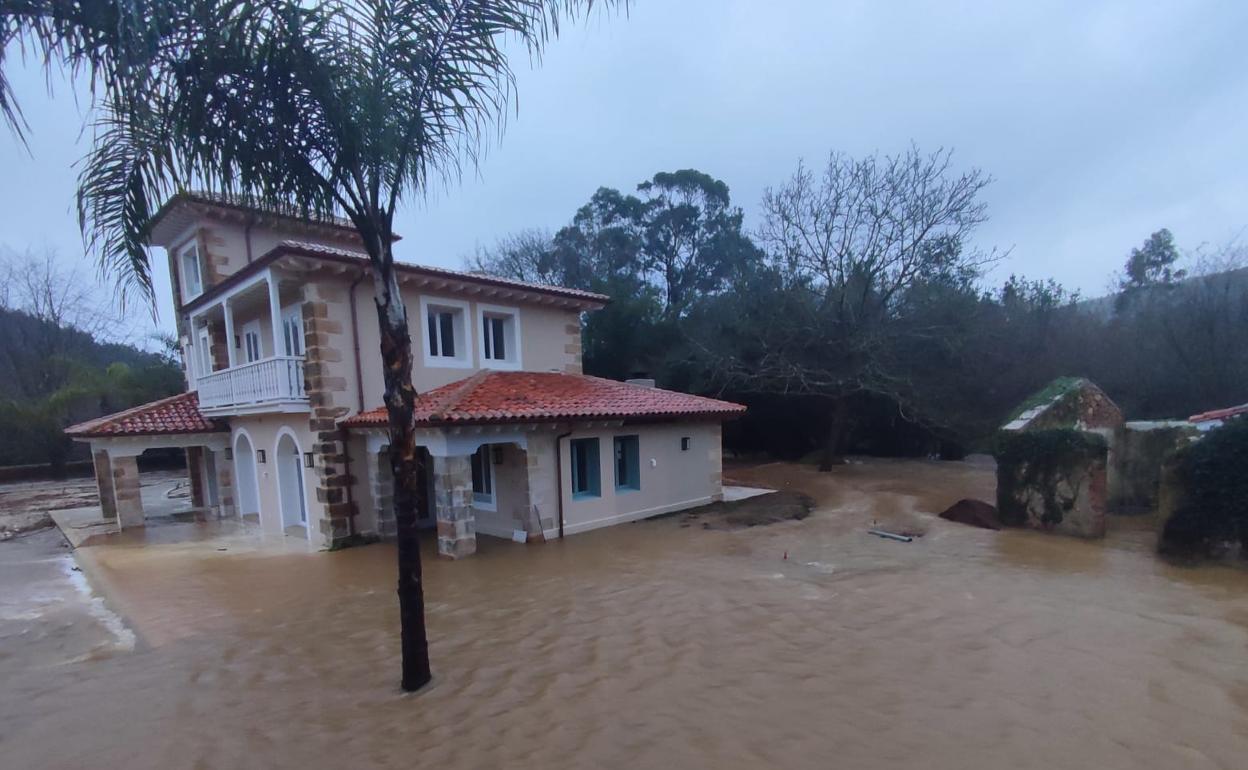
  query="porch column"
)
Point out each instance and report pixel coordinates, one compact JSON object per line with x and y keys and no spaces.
{"x":225,"y":485}
{"x":543,"y":496}
{"x":104,"y":482}
{"x":129,"y":503}
{"x":228,"y":312}
{"x":195,"y":473}
{"x":452,"y":492}
{"x":275,"y":316}
{"x":381,"y":485}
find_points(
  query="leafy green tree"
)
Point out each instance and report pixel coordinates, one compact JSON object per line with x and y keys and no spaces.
{"x":656,"y":255}
{"x":1149,"y":267}
{"x":334,"y":107}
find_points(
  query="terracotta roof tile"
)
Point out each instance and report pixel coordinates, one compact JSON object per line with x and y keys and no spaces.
{"x":507,"y":397}
{"x":172,"y":415}
{"x":1219,"y":414}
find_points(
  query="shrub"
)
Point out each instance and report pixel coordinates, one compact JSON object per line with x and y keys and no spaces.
{"x":1213,"y":474}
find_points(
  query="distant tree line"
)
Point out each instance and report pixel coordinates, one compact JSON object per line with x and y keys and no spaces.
{"x":856,"y":317}
{"x":61,"y":361}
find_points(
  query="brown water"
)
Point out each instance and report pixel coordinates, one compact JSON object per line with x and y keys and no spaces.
{"x":657,"y":645}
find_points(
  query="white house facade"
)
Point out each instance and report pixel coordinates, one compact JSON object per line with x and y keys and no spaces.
{"x":282,"y":418}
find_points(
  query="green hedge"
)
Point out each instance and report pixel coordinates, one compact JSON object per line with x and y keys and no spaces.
{"x":1213,"y":474}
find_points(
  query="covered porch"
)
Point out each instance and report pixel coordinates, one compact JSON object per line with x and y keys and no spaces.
{"x":117,"y":441}
{"x":497,"y":481}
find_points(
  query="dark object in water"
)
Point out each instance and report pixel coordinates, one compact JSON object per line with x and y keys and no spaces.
{"x":890,"y":535}
{"x":976,"y":513}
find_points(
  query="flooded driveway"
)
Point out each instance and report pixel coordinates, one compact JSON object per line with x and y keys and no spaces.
{"x":665,"y":645}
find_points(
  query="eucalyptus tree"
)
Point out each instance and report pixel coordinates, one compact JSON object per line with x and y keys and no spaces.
{"x":339,"y":107}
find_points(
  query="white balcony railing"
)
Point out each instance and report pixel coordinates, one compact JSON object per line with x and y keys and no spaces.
{"x":269,"y":380}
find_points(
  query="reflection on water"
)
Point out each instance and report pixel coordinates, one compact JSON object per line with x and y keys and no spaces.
{"x":657,"y":645}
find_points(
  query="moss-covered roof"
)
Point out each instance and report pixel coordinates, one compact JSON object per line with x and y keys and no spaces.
{"x":1066,"y":402}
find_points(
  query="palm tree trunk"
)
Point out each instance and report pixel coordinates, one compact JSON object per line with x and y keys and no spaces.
{"x":406,"y":464}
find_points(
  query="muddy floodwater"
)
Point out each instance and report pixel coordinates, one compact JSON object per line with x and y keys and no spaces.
{"x":662,"y":644}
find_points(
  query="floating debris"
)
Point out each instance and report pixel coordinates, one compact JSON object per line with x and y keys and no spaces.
{"x":890,"y":535}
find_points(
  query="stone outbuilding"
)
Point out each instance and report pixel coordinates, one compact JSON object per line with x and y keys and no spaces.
{"x":1053,"y":459}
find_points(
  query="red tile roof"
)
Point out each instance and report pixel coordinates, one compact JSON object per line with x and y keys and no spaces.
{"x":507,"y":397}
{"x":172,"y":415}
{"x":1219,"y":414}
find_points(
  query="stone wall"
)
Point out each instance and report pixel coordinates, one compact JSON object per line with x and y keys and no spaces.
{"x":1137,"y":454}
{"x":104,"y":483}
{"x":573,"y":348}
{"x":1054,"y":481}
{"x":452,"y":484}
{"x":220,"y":345}
{"x":126,"y":491}
{"x":325,"y":341}
{"x":195,"y":474}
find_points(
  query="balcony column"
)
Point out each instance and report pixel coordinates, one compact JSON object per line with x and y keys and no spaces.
{"x":275,"y":316}
{"x":230,"y":352}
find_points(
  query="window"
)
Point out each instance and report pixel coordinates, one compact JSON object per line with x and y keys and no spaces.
{"x":205,"y":352}
{"x":500,"y":337}
{"x":192,"y":278}
{"x":251,"y":341}
{"x":445,"y":333}
{"x":585,"y":473}
{"x":482,"y":477}
{"x":684,"y":443}
{"x":495,"y":335}
{"x":627,"y":463}
{"x":441,"y":333}
{"x":292,"y":330}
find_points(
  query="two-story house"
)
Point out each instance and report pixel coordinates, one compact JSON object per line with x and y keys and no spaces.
{"x":283,"y":422}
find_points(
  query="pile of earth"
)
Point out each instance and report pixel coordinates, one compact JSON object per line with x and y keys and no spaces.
{"x":975,"y":513}
{"x":755,"y":511}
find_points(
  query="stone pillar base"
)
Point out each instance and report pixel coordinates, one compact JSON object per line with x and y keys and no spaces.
{"x":452,"y":487}
{"x":129,"y":503}
{"x":104,"y":483}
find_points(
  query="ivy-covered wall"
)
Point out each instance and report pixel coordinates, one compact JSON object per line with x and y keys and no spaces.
{"x":1205,"y":495}
{"x":1053,"y":480}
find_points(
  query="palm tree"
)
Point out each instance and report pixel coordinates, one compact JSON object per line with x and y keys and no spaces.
{"x":337,"y":107}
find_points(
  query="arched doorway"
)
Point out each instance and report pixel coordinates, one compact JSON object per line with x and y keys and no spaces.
{"x":245,"y":472}
{"x":290,"y":482}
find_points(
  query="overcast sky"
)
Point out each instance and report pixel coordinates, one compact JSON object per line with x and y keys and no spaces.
{"x":1100,"y":121}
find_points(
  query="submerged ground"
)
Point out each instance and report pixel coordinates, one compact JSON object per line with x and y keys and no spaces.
{"x":657,"y":644}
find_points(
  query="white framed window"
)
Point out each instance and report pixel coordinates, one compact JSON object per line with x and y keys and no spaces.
{"x":444,"y":329}
{"x":192,"y":272}
{"x":251,"y":341}
{"x":483,"y":478}
{"x":292,"y":330}
{"x":205,"y":352}
{"x":500,"y":336}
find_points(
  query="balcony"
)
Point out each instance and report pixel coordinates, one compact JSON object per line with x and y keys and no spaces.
{"x":268,"y":385}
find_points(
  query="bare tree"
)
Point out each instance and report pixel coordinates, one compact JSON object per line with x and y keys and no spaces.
{"x":45,"y":286}
{"x":850,"y":248}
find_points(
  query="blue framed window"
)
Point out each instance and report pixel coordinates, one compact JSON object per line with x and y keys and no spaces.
{"x":627,"y":463}
{"x":585,"y":468}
